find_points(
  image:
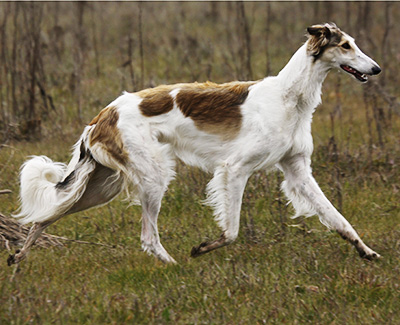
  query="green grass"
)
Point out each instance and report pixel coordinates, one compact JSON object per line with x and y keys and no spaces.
{"x":279,"y":270}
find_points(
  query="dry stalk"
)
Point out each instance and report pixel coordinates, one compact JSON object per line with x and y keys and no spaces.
{"x":14,"y":234}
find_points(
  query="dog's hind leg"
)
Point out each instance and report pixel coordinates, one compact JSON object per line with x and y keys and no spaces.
{"x":308,"y":199}
{"x":151,"y":194}
{"x":152,"y":175}
{"x":102,"y":187}
{"x":33,"y":235}
{"x":225,"y":192}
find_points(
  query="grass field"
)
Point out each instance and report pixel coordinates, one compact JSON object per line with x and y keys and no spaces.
{"x":279,"y":270}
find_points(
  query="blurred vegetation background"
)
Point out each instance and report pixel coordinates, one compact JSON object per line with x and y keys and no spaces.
{"x":61,"y":63}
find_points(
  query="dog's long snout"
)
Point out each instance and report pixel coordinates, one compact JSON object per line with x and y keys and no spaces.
{"x":376,"y":70}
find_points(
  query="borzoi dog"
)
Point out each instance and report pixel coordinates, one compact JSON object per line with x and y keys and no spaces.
{"x":231,"y":130}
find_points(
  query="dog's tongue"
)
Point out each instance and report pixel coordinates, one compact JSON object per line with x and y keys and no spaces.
{"x":357,"y":74}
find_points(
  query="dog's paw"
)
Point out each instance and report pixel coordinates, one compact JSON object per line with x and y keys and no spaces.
{"x":369,"y":255}
{"x":199,"y":250}
{"x":11,"y":260}
{"x":15,"y":258}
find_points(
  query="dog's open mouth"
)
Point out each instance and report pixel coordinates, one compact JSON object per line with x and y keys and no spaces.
{"x":357,"y":74}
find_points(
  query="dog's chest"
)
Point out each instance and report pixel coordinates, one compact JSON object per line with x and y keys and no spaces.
{"x":299,"y":134}
{"x":289,"y":134}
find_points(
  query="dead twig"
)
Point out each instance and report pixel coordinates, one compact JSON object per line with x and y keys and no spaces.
{"x":6,"y":242}
{"x":80,"y":241}
{"x":14,"y":234}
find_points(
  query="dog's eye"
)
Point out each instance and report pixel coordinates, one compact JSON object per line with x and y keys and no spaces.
{"x":346,"y":46}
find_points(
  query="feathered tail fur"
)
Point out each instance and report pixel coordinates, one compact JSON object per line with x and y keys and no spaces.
{"x":47,"y":191}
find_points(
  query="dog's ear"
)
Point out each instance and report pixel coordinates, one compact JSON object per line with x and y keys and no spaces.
{"x":319,"y":30}
{"x":319,"y":37}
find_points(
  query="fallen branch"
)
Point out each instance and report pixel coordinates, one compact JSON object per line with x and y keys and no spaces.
{"x":14,"y":234}
{"x":80,"y":241}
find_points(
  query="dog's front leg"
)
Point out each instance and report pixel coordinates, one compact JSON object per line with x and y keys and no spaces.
{"x":225,"y":192}
{"x":308,"y":199}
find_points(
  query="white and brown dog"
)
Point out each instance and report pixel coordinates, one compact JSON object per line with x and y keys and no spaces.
{"x":231,"y":130}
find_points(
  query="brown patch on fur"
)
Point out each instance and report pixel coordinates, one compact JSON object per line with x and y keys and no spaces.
{"x":155,"y":102}
{"x":107,"y":133}
{"x":321,"y":38}
{"x":214,"y":108}
{"x":150,"y":92}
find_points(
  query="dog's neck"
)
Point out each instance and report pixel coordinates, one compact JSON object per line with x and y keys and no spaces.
{"x":302,"y":80}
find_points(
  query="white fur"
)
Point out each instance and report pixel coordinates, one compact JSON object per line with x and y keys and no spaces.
{"x":275,"y":132}
{"x":40,"y":199}
{"x":38,"y":193}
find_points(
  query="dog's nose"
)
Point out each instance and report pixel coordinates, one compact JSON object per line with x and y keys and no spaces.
{"x":376,"y":70}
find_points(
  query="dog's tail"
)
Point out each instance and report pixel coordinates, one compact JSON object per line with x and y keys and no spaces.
{"x":49,"y":189}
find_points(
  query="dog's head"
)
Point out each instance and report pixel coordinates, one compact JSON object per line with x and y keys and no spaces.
{"x":336,"y":48}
